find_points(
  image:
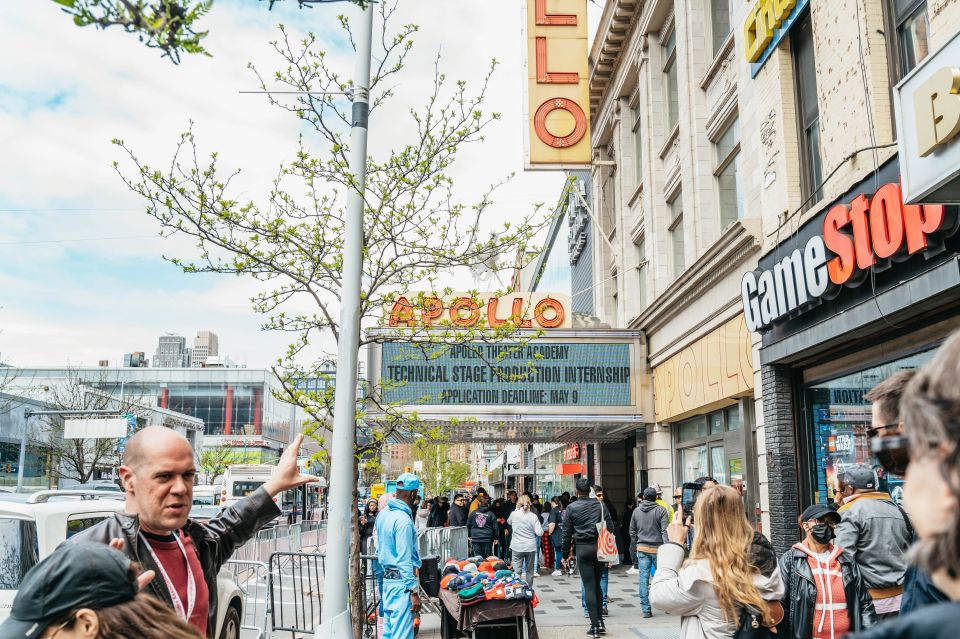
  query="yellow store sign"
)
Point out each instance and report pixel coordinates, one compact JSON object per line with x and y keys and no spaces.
{"x":708,"y":373}
{"x":558,"y":97}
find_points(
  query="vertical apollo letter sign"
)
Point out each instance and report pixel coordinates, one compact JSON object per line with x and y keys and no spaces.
{"x":557,"y":91}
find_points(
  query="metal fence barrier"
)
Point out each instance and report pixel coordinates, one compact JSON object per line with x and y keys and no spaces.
{"x":252,"y":578}
{"x":296,"y":581}
{"x":371,"y":594}
{"x":305,"y":535}
{"x":443,"y":542}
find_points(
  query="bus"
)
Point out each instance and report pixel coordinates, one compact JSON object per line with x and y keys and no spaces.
{"x":299,"y":504}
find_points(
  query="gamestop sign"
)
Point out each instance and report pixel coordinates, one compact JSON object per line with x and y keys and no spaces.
{"x":848,"y":241}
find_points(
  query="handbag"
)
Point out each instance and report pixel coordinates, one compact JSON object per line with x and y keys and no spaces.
{"x":751,"y":623}
{"x":607,"y":551}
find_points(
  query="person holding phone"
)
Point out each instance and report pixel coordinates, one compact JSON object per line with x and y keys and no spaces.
{"x":720,"y":580}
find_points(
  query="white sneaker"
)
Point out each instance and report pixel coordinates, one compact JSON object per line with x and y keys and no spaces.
{"x":536,"y":574}
{"x":556,"y":573}
{"x":633,"y":571}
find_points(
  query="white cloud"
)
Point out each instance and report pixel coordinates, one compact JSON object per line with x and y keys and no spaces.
{"x":104,"y":84}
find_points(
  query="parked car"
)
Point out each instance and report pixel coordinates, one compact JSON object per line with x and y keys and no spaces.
{"x":32,"y":526}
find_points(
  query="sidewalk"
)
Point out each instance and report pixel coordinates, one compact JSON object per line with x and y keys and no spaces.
{"x":559,"y":615}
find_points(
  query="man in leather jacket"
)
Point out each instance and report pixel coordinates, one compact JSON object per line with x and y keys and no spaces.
{"x":825,"y":594}
{"x":155,"y":529}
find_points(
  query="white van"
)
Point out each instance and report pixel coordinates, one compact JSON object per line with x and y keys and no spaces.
{"x":242,"y":479}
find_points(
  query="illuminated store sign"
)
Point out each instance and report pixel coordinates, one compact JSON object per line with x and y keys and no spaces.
{"x":853,"y":239}
{"x":558,"y":97}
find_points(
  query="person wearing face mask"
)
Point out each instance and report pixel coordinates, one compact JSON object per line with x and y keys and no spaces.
{"x":825,"y":597}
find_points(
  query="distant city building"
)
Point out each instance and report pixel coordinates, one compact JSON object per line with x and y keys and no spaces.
{"x":135,"y":359}
{"x":172,"y":352}
{"x":237,"y":406}
{"x":103,"y":363}
{"x":205,"y":344}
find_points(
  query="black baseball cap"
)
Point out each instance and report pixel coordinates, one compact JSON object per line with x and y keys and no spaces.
{"x":819,"y":511}
{"x":80,"y":575}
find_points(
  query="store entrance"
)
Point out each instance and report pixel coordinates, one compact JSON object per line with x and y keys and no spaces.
{"x":713,"y":445}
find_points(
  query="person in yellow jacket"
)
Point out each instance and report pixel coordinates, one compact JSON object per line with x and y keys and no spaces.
{"x":660,"y":502}
{"x":476,"y":500}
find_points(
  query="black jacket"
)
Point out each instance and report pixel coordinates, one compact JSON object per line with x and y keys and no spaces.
{"x":580,"y":523}
{"x":458,"y":515}
{"x":366,"y":530}
{"x":482,"y":525}
{"x":214,"y":541}
{"x":938,"y":621}
{"x":800,"y":596}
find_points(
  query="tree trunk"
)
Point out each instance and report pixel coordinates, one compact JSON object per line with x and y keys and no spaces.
{"x":356,"y":575}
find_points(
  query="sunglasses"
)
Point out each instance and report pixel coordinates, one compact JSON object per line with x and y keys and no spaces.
{"x":892,"y":452}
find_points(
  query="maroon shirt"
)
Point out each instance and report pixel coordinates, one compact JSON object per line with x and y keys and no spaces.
{"x":168,"y":552}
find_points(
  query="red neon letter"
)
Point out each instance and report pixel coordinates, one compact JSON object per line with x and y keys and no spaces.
{"x":840,"y":268}
{"x":886,"y":221}
{"x":552,"y":19}
{"x":861,"y":231}
{"x":402,"y":313}
{"x":492,"y":320}
{"x":432,"y":309}
{"x":517,"y":314}
{"x":558,"y":313}
{"x":544,"y":76}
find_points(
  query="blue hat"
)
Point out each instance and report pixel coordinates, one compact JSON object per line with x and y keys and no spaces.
{"x":408,"y":481}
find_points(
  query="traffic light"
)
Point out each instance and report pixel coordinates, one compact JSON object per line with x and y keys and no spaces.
{"x":408,"y":469}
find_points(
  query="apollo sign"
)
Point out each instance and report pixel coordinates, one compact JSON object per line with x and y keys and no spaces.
{"x":480,"y":310}
{"x":868,"y":233}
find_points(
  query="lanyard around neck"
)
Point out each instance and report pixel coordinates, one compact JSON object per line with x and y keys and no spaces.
{"x":191,"y":580}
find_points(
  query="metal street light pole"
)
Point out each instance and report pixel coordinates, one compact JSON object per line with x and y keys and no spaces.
{"x":336,"y":588}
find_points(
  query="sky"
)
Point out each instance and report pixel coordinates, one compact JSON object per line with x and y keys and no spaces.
{"x":84,"y":276}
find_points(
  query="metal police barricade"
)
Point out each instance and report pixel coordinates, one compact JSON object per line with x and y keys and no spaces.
{"x":296,"y":580}
{"x":252,"y":578}
{"x":443,"y":542}
{"x":371,"y":591}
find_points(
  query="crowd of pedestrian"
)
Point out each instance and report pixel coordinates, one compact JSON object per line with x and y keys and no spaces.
{"x":865,"y":565}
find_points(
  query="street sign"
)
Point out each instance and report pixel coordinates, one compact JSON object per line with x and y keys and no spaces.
{"x":95,"y":428}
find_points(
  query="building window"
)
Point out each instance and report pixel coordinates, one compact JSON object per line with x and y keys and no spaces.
{"x":912,"y":26}
{"x":606,"y":196}
{"x":676,"y":234}
{"x":719,"y":23}
{"x":670,"y":72}
{"x":808,"y":111}
{"x":727,"y":170}
{"x":642,"y":272}
{"x":637,"y":146}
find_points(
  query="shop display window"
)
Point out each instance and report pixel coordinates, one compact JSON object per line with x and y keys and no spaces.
{"x":839,"y":418}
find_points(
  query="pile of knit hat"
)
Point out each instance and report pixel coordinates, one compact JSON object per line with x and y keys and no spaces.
{"x":476,"y":579}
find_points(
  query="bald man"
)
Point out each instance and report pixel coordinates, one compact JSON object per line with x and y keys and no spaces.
{"x":158,"y":473}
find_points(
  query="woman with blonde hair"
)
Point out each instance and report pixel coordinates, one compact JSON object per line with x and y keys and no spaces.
{"x":527,"y":530}
{"x":720,"y":580}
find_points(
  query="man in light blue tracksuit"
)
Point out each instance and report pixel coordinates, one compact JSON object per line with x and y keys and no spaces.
{"x":399,"y":557}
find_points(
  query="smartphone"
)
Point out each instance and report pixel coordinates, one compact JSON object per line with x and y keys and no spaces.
{"x":691,"y":490}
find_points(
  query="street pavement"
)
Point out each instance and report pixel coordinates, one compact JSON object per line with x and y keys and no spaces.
{"x":560,"y":616}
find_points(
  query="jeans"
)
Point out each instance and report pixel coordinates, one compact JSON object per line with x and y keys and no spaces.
{"x":482,"y":548}
{"x":592,"y":575}
{"x":524,"y":563}
{"x":646,"y":561}
{"x":557,"y":555}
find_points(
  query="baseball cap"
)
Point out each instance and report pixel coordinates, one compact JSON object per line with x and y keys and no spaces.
{"x":80,"y":575}
{"x":819,"y":511}
{"x":650,"y":493}
{"x":408,"y":481}
{"x":860,"y":476}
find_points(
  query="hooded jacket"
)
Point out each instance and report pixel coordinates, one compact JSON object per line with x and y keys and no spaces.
{"x":482,"y":525}
{"x":801,"y":595}
{"x":397,"y":541}
{"x":648,"y":525}
{"x":687,"y":590}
